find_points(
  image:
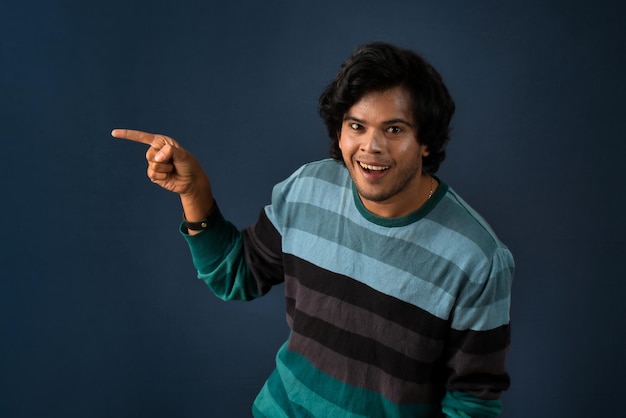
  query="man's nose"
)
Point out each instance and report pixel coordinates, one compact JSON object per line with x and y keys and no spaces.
{"x":372,"y":141}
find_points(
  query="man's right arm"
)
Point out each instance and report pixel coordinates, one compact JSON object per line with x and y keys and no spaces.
{"x":221,"y":253}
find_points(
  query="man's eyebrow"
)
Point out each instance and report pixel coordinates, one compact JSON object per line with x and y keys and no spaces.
{"x":387,"y":122}
{"x":352,"y":118}
{"x":398,"y":120}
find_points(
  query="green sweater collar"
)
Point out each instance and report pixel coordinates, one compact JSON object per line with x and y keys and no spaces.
{"x":402,"y":220}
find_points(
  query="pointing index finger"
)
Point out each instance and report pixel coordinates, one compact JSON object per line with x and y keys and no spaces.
{"x":135,"y":136}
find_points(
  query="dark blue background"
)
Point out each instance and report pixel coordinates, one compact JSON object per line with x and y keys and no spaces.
{"x":100,"y":311}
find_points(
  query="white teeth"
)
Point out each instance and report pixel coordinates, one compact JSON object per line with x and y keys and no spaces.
{"x":373,"y":167}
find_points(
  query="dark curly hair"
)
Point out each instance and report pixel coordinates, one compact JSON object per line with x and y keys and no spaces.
{"x":380,"y":66}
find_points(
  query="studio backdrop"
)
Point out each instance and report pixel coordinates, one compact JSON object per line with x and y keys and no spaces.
{"x":101,"y":313}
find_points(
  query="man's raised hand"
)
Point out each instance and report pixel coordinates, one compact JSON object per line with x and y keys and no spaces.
{"x":169,"y":165}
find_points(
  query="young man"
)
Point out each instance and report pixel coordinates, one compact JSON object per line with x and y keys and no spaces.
{"x":397,"y":292}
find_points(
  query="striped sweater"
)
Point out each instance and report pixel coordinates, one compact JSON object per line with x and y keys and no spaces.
{"x":402,"y":317}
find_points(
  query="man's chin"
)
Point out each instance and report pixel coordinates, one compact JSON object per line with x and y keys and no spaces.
{"x":371,"y":195}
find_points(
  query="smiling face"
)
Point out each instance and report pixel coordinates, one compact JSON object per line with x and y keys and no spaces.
{"x":379,"y":145}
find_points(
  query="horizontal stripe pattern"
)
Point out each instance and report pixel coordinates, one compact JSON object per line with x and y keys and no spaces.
{"x":356,"y":294}
{"x":310,"y":397}
{"x":315,"y":394}
{"x":425,"y":262}
{"x":360,"y":374}
{"x":384,"y":316}
{"x":380,"y":343}
{"x":374,"y":273}
{"x":374,"y":306}
{"x":362,"y":322}
{"x":386,"y":273}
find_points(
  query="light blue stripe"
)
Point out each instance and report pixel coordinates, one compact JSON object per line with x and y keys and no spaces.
{"x":425,"y":250}
{"x":472,"y":312}
{"x":374,"y":273}
{"x":482,"y":318}
{"x":427,"y":234}
{"x":398,"y":283}
{"x":328,"y":170}
{"x":334,"y":182}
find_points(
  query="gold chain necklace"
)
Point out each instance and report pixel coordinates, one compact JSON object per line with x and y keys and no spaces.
{"x":432,"y":184}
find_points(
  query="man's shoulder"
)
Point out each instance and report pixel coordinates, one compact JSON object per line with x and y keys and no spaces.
{"x":457,"y":215}
{"x":328,"y":170}
{"x":311,"y":189}
{"x":323,"y":168}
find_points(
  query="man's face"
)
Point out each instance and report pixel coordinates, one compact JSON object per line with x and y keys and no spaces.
{"x":378,"y":141}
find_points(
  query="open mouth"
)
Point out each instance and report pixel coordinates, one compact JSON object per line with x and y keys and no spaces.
{"x":373,"y":168}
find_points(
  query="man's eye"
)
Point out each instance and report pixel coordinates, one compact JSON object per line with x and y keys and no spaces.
{"x":355,"y":126}
{"x":394,"y":130}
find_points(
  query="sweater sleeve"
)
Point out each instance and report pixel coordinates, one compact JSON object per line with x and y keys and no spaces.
{"x":461,"y":405}
{"x":217,"y":254}
{"x":478,"y":344}
{"x":237,"y":265}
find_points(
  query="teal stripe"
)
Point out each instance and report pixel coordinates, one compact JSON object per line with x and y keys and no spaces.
{"x":308,"y":398}
{"x":462,"y":405}
{"x":321,"y":395}
{"x":268,"y":405}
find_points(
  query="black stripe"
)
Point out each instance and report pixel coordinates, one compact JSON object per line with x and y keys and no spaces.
{"x":290,"y":306}
{"x":480,"y":342}
{"x":363,"y":349}
{"x":352,"y":291}
{"x":481,"y":385}
{"x":263,"y":251}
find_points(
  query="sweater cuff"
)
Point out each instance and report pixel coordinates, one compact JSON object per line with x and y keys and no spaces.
{"x":210,"y":244}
